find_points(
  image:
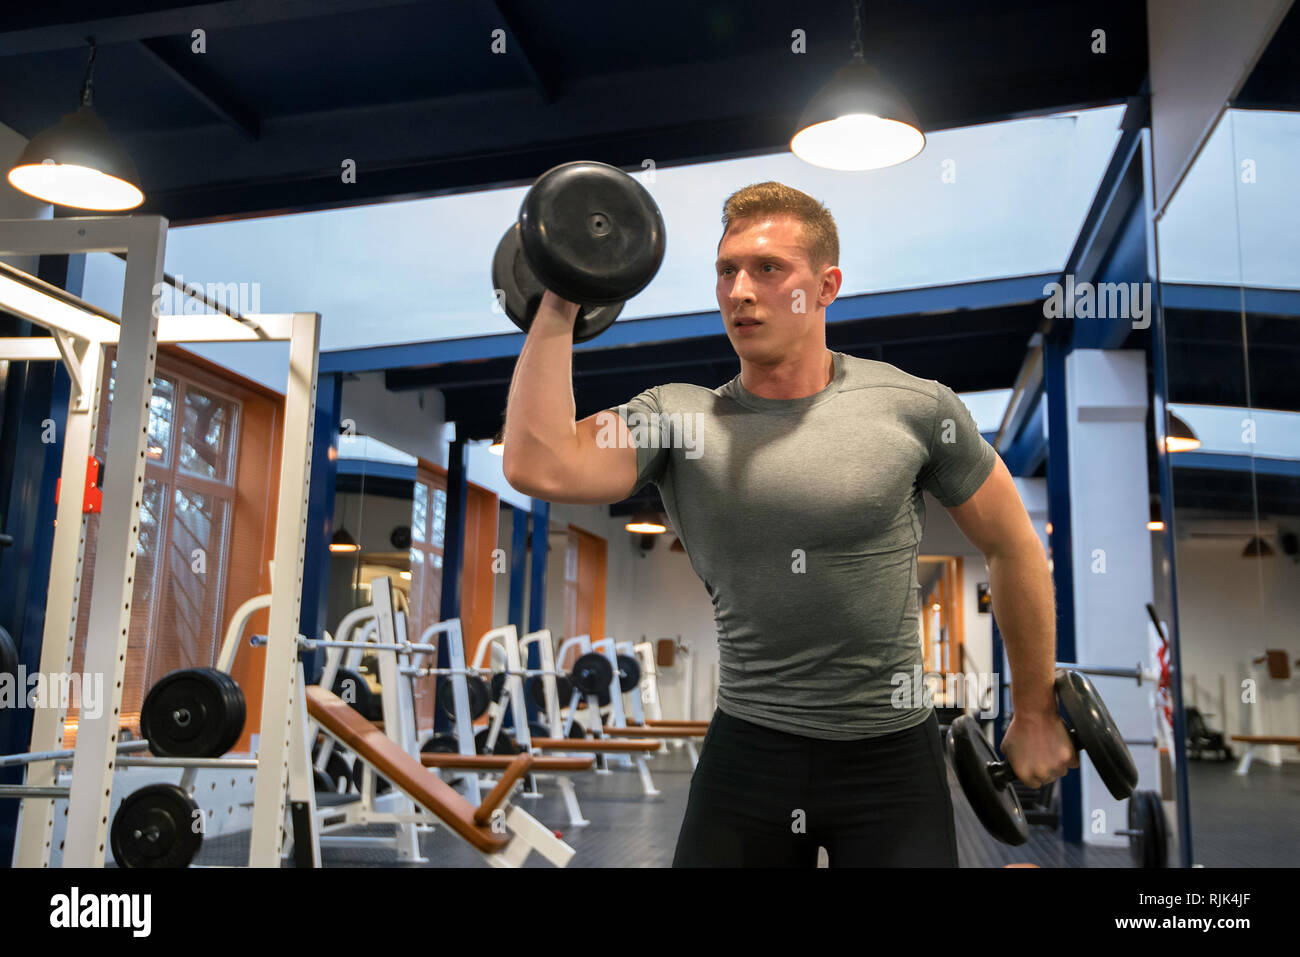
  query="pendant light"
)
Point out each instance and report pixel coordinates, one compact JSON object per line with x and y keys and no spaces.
{"x":78,"y":162}
{"x":1180,"y":437}
{"x":646,"y":523}
{"x":341,"y":542}
{"x":858,"y":121}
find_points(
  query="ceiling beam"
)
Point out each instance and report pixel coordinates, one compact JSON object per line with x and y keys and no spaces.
{"x":205,"y":91}
{"x":179,"y":19}
{"x":546,"y":84}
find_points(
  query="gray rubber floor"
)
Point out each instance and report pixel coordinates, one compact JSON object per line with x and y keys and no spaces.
{"x":630,"y":830}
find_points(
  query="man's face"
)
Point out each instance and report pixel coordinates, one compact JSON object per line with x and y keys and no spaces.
{"x":770,"y":296}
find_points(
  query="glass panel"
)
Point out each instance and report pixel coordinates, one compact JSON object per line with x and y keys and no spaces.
{"x":419,"y":512}
{"x":190,"y":617}
{"x":207,"y":434}
{"x":161,"y":408}
{"x":439,"y":517}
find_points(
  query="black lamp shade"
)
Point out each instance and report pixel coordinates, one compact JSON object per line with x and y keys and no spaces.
{"x":858,"y":121}
{"x":78,"y":163}
{"x":341,"y":541}
{"x":1180,"y":437}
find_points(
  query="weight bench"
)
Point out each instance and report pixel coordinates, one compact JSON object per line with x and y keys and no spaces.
{"x":659,"y":731}
{"x":499,"y":762}
{"x":1253,"y":741}
{"x":505,"y":835}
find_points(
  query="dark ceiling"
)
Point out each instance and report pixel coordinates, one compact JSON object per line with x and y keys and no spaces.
{"x":412,"y":91}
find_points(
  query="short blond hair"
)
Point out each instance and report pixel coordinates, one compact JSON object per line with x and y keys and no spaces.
{"x":821,"y":239}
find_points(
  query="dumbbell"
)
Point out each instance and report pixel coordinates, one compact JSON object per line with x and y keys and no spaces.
{"x":589,"y":233}
{"x":986,"y":780}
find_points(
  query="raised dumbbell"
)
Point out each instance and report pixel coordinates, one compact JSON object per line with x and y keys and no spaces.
{"x":589,"y":233}
{"x":986,"y":780}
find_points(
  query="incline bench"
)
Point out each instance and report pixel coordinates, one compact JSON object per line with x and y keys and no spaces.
{"x":505,"y":839}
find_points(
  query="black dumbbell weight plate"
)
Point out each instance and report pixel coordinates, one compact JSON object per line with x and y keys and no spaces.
{"x":592,"y":674}
{"x":1148,"y":838}
{"x":191,"y":714}
{"x":1097,"y":732}
{"x":156,"y":827}
{"x":237,"y":713}
{"x":629,"y":673}
{"x":8,"y":654}
{"x":504,"y":743}
{"x":442,"y":744}
{"x":521,"y":292}
{"x":352,"y":687}
{"x":997,"y":808}
{"x":591,"y":233}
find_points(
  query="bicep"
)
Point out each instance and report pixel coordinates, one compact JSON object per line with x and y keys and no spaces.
{"x":994,"y":518}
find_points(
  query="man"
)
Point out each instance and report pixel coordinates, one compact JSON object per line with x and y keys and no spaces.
{"x":799,"y":504}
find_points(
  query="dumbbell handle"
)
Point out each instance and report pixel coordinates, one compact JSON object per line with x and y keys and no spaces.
{"x":1000,"y":771}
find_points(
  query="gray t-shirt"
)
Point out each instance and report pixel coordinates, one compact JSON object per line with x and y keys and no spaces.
{"x":803,"y":519}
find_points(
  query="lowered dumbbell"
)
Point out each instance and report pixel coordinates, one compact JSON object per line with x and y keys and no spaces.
{"x":986,"y":780}
{"x":588,"y":232}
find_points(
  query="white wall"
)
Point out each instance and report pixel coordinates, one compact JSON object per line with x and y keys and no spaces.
{"x":1229,"y":610}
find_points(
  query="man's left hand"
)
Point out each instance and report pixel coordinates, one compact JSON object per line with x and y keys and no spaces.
{"x":1038,"y":748}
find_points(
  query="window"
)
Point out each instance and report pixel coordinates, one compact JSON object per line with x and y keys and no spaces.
{"x":186,"y":515}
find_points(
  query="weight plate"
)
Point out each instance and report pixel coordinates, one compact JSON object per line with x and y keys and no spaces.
{"x":1148,"y":838}
{"x":480,"y":697}
{"x":504,"y":745}
{"x":157,"y":826}
{"x":8,"y":655}
{"x":498,"y":685}
{"x":520,"y":292}
{"x":236,"y":714}
{"x":358,"y":776}
{"x":591,"y":233}
{"x":1097,"y":733}
{"x":189,"y":714}
{"x":535,"y":689}
{"x":538,"y":730}
{"x":353,"y":689}
{"x":339,"y":772}
{"x":629,"y":672}
{"x":442,"y":744}
{"x":592,"y":674}
{"x":322,"y":781}
{"x":997,"y":808}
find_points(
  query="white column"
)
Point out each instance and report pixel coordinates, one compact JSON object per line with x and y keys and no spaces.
{"x":1109,"y":508}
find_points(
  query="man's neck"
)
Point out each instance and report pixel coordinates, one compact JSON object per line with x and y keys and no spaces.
{"x":789,"y":380}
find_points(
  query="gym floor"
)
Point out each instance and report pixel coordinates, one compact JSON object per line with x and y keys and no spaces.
{"x":630,"y":830}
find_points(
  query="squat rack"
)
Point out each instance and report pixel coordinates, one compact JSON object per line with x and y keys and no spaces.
{"x":79,"y":333}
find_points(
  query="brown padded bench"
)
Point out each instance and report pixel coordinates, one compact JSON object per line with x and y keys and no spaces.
{"x":658,"y":731}
{"x":595,"y":744}
{"x":496,"y":762}
{"x":409,"y":776}
{"x":1266,"y":739}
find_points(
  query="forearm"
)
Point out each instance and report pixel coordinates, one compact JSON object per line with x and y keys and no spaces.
{"x":1025,"y":607}
{"x":540,"y":409}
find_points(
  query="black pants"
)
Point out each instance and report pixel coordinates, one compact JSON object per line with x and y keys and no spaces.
{"x":765,"y":798}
